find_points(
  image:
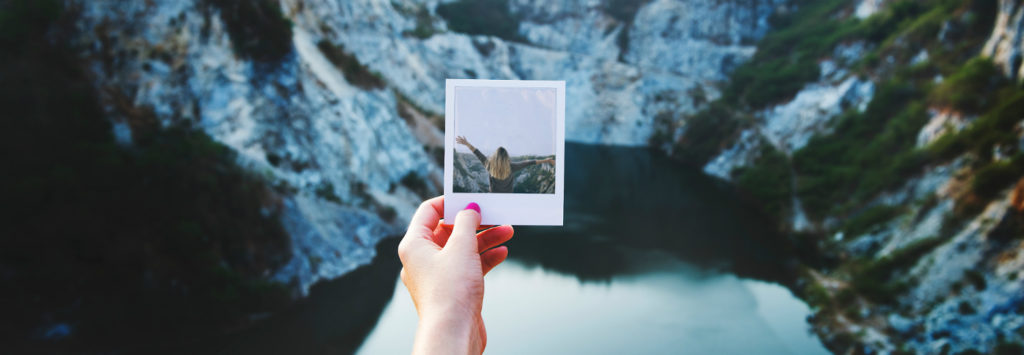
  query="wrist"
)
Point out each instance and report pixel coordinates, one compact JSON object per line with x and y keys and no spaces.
{"x":444,"y":333}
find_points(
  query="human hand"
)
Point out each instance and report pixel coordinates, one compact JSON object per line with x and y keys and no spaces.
{"x":462,"y":140}
{"x":548,"y":161}
{"x":443,"y":268}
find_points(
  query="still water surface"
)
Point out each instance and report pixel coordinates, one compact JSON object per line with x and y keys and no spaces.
{"x":653,"y":258}
{"x":648,"y":262}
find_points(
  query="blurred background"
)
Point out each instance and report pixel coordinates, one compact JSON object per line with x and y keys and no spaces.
{"x":769,"y":176}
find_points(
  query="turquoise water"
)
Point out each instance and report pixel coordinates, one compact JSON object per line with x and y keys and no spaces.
{"x":654,"y":258}
{"x":670,"y":308}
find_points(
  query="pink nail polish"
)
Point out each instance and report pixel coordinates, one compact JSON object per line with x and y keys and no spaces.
{"x":473,"y":206}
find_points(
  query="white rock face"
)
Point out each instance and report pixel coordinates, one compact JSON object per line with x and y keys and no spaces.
{"x":789,"y":126}
{"x":866,"y":8}
{"x":301,"y":123}
{"x":941,"y":122}
{"x":702,"y":39}
{"x":1006,"y":44}
{"x":611,"y":102}
{"x":740,"y":154}
{"x":326,"y":133}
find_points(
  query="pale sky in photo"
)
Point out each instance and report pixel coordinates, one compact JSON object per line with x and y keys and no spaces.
{"x":520,"y":119}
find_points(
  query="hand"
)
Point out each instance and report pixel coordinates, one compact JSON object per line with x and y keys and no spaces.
{"x":547,"y":161}
{"x":444,"y":268}
{"x":462,"y":140}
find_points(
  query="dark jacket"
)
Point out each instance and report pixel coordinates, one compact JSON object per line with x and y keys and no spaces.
{"x":506,"y":184}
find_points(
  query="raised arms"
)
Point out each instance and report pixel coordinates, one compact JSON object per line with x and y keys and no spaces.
{"x":462,"y":140}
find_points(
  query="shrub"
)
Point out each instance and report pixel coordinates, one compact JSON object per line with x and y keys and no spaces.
{"x":865,"y":154}
{"x":355,"y":72}
{"x":972,"y":88}
{"x":995,"y":176}
{"x":707,"y":132}
{"x":482,"y":17}
{"x":873,"y":278}
{"x":769,"y":180}
{"x":787,"y":58}
{"x":258,"y":29}
{"x":424,"y":25}
{"x":870,"y":218}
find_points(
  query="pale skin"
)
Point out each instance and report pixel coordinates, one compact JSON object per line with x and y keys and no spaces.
{"x":462,"y":140}
{"x":443,"y":266}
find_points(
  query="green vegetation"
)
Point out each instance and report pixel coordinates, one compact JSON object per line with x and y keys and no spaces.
{"x":258,"y":29}
{"x":787,"y":58}
{"x":168,"y":235}
{"x":965,"y":90}
{"x":482,"y":17}
{"x":623,"y":11}
{"x":867,"y":153}
{"x":708,"y":131}
{"x":768,"y":180}
{"x":355,"y":72}
{"x":875,"y":279}
{"x":871,"y":218}
{"x":424,"y":24}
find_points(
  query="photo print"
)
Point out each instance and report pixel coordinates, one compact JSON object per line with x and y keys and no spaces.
{"x":504,"y":149}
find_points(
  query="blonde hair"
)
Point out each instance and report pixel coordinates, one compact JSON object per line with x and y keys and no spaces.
{"x":498,"y":165}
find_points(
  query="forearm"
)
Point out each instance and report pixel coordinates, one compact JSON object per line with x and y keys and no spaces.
{"x":446,"y":335}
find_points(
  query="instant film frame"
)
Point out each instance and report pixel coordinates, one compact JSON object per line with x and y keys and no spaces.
{"x":478,"y":96}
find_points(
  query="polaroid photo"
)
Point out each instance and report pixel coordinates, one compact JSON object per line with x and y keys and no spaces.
{"x":505,"y":150}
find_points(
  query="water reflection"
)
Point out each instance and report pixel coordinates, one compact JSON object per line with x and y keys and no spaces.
{"x":653,"y":258}
{"x":672,"y":307}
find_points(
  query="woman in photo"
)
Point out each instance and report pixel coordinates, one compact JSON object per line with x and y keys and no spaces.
{"x":499,"y":167}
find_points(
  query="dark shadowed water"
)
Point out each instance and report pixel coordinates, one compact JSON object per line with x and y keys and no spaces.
{"x":653,"y":258}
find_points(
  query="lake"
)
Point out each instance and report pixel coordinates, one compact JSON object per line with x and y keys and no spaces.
{"x":654,"y":257}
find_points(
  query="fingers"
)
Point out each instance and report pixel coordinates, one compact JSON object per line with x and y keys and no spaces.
{"x":491,"y":258}
{"x":420,"y":233}
{"x":427,"y":216}
{"x":493,"y":237}
{"x":463,"y":238}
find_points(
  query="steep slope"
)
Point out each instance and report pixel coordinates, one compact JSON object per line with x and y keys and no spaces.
{"x":887,"y":140}
{"x":337,"y":102}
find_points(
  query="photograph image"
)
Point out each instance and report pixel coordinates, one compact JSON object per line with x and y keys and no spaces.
{"x":474,"y":177}
{"x":505,"y":140}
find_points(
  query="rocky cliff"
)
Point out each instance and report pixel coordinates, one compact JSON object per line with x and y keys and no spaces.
{"x":340,"y":106}
{"x":883,"y":135}
{"x":884,"y":159}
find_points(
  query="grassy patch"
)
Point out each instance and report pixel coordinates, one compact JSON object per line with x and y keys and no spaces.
{"x":996,"y":176}
{"x":867,"y":153}
{"x":970,"y":89}
{"x":787,"y":58}
{"x":874,"y":279}
{"x":871,"y":218}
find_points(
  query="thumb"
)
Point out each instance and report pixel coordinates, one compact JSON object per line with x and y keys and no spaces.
{"x":463,"y":238}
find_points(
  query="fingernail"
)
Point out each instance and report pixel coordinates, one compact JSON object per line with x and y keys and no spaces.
{"x":473,"y":206}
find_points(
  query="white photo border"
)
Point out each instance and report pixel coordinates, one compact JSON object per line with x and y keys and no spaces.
{"x":506,"y":208}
